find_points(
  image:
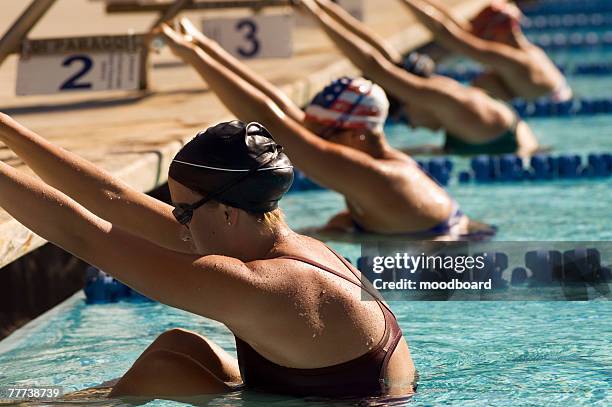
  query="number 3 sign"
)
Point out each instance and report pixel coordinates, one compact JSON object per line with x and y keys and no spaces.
{"x":259,"y":36}
{"x":79,"y":64}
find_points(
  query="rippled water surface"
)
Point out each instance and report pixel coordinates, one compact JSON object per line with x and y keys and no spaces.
{"x":467,"y":353}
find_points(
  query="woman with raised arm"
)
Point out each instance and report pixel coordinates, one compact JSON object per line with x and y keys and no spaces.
{"x":222,"y":251}
{"x":473,"y":122}
{"x":338,"y":141}
{"x":516,"y":68}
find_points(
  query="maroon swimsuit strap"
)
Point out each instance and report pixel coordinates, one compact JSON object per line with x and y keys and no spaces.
{"x":370,"y":290}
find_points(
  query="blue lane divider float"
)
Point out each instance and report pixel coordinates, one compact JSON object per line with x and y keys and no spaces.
{"x":580,"y":20}
{"x":504,"y":168}
{"x":575,"y":107}
{"x":100,"y":288}
{"x":542,"y":267}
{"x":556,"y":7}
{"x":575,"y":40}
{"x":541,"y":167}
{"x":467,"y":74}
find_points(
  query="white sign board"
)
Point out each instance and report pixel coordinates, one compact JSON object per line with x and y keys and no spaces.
{"x":79,"y":64}
{"x":259,"y":36}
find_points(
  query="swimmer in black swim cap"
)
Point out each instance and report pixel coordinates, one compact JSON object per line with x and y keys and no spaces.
{"x":236,"y":164}
{"x":467,"y":114}
{"x":338,"y":140}
{"x":225,"y":254}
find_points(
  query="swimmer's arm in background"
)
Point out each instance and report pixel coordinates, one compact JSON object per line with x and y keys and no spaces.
{"x":455,"y":38}
{"x":346,"y":170}
{"x":444,"y":9}
{"x":213,"y":49}
{"x":197,"y":284}
{"x":393,"y":79}
{"x":359,"y":52}
{"x":94,"y":188}
{"x":359,"y":29}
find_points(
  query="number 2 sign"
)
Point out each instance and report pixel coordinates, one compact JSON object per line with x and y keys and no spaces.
{"x":79,"y":64}
{"x":259,"y":36}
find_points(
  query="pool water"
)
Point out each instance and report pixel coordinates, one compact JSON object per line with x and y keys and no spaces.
{"x":467,"y":353}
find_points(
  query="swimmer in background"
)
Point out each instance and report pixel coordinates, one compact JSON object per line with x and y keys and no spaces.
{"x":338,"y":141}
{"x":473,"y":122}
{"x":516,"y":68}
{"x":222,"y":251}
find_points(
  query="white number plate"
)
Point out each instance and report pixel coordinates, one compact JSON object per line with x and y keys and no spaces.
{"x":63,"y":65}
{"x":78,"y":72}
{"x":260,"y":36}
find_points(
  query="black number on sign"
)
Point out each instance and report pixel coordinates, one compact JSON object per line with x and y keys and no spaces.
{"x":251,"y":32}
{"x":71,"y":83}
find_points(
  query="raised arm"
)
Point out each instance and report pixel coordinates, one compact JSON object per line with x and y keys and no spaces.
{"x":332,"y":165}
{"x":455,"y":38}
{"x":198,"y":285}
{"x":213,"y":49}
{"x":94,"y":188}
{"x":360,"y":30}
{"x":444,"y":9}
{"x":372,"y":63}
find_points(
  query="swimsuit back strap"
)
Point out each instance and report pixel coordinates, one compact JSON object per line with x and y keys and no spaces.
{"x":323,"y":267}
{"x":372,"y":292}
{"x":366,"y":286}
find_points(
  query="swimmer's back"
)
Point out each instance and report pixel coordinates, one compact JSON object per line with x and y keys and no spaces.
{"x":308,"y":318}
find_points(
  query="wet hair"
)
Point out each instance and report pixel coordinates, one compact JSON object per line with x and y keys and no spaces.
{"x":236,"y":164}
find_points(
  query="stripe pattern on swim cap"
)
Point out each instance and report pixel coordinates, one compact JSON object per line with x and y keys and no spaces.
{"x":350,"y":104}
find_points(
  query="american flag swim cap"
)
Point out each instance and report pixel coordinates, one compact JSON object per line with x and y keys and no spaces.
{"x":349,"y":103}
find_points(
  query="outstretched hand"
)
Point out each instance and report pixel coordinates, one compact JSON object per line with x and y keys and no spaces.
{"x":191,"y":32}
{"x":308,"y":6}
{"x":181,"y":45}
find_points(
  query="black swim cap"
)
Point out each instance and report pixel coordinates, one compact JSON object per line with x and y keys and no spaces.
{"x":419,"y":65}
{"x":236,"y":164}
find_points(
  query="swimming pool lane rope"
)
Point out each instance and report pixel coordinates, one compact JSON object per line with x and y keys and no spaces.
{"x":507,"y":168}
{"x":561,"y":7}
{"x":580,"y":266}
{"x":467,"y":74}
